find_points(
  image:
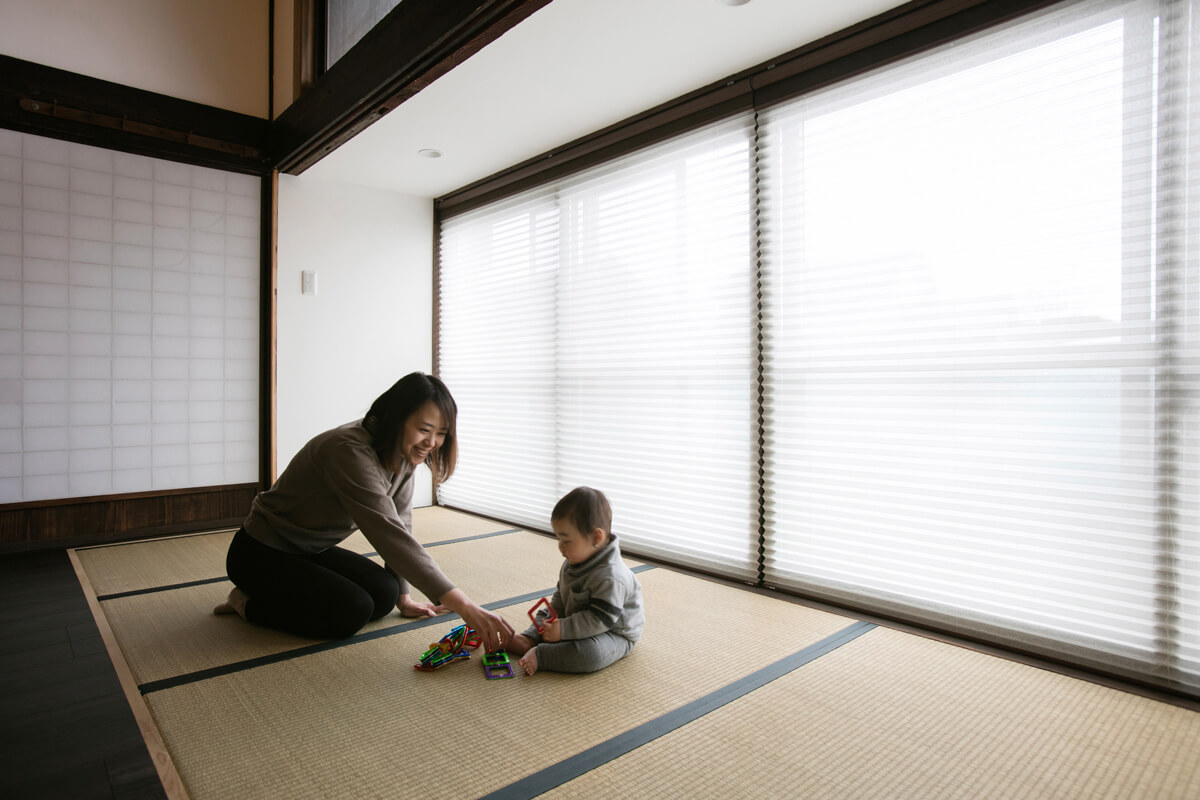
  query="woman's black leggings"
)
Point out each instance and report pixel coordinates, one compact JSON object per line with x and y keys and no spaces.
{"x":326,"y":595}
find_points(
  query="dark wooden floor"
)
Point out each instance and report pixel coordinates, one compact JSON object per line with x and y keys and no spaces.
{"x":66,"y":730}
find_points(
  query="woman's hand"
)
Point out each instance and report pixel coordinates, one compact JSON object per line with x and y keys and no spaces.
{"x":552,"y":631}
{"x":494,"y":628}
{"x":411,"y":608}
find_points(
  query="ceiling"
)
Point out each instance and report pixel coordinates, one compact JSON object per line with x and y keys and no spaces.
{"x":573,"y":67}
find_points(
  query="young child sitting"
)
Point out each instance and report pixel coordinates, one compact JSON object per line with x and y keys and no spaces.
{"x":598,"y":599}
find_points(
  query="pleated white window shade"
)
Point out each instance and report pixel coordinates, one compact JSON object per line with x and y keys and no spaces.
{"x":599,"y":332}
{"x":496,"y":351}
{"x":981,"y":342}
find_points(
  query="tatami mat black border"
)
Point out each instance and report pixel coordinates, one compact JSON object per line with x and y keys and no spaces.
{"x":157,"y":589}
{"x":321,"y":647}
{"x":151,"y":540}
{"x":473,"y":538}
{"x":171,"y":586}
{"x":568,"y":769}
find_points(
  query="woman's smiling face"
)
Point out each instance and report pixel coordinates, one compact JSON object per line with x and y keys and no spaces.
{"x":424,"y":431}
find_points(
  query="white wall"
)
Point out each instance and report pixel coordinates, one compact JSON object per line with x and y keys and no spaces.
{"x":213,"y":52}
{"x":371,"y":320}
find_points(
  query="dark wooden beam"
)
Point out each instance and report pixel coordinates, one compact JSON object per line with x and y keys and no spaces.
{"x":416,"y":43}
{"x":268,"y":342}
{"x":65,"y":105}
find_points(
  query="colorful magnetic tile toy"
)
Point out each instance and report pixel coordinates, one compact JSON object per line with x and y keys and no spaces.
{"x":540,"y":618}
{"x":496,"y":665}
{"x":452,"y":647}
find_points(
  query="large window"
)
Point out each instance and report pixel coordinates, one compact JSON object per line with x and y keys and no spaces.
{"x":930,"y":346}
{"x":599,"y":333}
{"x":982,"y":347}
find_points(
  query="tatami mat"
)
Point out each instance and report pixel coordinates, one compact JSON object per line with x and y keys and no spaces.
{"x":271,"y":731}
{"x":171,"y":633}
{"x":435,"y":523}
{"x":730,"y":693}
{"x":893,"y":715}
{"x":135,"y":566}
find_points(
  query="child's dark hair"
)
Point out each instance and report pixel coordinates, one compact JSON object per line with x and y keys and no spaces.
{"x":387,"y":415}
{"x":586,"y":509}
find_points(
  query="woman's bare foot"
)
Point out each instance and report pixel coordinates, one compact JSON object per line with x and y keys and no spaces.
{"x":234,"y":604}
{"x":528,"y":661}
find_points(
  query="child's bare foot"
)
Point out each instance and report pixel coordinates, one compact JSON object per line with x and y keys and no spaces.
{"x":234,"y":604}
{"x":528,"y":661}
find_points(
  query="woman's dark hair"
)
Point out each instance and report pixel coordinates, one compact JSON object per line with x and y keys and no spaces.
{"x":586,"y":509}
{"x":387,"y":415}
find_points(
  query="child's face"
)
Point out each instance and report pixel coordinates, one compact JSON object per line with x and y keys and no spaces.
{"x":574,"y":546}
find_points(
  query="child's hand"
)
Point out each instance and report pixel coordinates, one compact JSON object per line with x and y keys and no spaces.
{"x":552,"y":631}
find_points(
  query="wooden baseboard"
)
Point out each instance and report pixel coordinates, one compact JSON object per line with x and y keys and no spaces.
{"x":95,"y":520}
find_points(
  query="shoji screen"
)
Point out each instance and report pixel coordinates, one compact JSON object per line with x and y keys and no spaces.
{"x":982,"y":315}
{"x":601,"y":331}
{"x":129,"y":322}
